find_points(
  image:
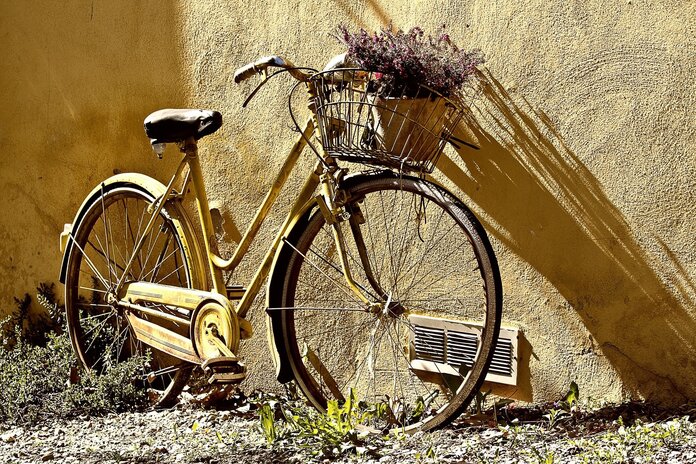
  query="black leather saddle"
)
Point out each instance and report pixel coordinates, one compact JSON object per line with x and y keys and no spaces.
{"x":170,"y":125}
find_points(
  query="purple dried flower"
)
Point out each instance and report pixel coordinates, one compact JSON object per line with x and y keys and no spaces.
{"x":409,"y":59}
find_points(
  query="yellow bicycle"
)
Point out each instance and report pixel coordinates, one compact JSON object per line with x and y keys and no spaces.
{"x":381,"y":283}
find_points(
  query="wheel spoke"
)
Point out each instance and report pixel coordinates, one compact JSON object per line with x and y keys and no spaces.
{"x":101,"y":332}
{"x":336,"y":284}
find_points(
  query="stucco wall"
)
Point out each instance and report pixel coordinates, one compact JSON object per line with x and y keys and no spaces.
{"x":585,"y":176}
{"x":77,"y":78}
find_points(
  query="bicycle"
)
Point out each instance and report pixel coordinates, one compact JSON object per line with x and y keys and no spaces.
{"x":374,"y":277}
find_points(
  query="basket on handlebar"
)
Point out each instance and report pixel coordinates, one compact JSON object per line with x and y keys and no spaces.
{"x":360,"y":122}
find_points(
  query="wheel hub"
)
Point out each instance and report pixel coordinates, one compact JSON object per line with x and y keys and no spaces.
{"x":389,"y":309}
{"x":111,"y":299}
{"x":213,"y":324}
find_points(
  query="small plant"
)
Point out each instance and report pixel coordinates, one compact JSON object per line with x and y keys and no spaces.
{"x":570,"y":400}
{"x":36,"y":363}
{"x":545,"y":457}
{"x":30,"y":327}
{"x":404,"y":60}
{"x":268,"y":425}
{"x":555,"y":416}
{"x":428,"y":456}
{"x":340,"y":431}
{"x":564,"y":408}
{"x":478,"y":406}
{"x":512,"y":431}
{"x":46,"y":297}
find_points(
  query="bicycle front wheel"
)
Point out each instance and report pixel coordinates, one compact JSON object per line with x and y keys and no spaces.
{"x":418,"y":352}
{"x":112,"y":224}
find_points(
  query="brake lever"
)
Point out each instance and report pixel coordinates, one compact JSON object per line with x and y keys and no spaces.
{"x":268,"y":78}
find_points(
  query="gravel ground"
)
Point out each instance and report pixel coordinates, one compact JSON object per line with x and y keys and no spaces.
{"x":193,"y":434}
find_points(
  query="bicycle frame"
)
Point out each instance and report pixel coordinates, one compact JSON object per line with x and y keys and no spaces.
{"x":208,"y":265}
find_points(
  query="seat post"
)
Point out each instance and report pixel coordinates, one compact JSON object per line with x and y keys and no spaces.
{"x":189,"y":147}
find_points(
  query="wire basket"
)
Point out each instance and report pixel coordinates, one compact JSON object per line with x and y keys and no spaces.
{"x":359,"y":122}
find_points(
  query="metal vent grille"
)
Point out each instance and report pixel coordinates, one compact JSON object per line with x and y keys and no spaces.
{"x":461,"y":348}
{"x":502,"y":357}
{"x":430,"y":344}
{"x":438,"y":343}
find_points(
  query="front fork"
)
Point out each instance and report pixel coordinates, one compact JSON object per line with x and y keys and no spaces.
{"x":335,"y":209}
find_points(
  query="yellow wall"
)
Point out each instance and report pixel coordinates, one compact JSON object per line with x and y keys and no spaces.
{"x":77,"y":79}
{"x":585,"y":177}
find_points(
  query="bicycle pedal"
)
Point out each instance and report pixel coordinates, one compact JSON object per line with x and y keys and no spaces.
{"x":224,"y":370}
{"x":226,"y":378}
{"x":220,"y":361}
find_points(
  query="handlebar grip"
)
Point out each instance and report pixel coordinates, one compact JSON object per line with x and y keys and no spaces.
{"x":245,"y":72}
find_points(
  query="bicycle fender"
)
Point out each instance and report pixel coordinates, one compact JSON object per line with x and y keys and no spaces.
{"x":274,"y":331}
{"x":140,"y":181}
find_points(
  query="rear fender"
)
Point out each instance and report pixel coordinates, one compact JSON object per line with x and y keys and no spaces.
{"x":153,"y":188}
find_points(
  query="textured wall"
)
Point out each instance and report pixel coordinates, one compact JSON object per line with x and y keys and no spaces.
{"x":585,"y":176}
{"x":77,"y":79}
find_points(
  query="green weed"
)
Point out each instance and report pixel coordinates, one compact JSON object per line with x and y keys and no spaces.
{"x":637,"y":442}
{"x":344,"y":428}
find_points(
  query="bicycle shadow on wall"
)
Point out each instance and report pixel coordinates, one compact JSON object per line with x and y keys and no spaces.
{"x":356,"y":12}
{"x":549,"y":209}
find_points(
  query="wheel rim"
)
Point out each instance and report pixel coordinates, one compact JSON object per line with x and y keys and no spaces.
{"x":418,"y":251}
{"x":99,"y":330}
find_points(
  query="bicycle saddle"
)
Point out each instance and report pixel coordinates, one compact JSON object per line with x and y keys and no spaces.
{"x":176,"y":125}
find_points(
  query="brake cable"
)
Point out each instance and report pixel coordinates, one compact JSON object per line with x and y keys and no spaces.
{"x":268,"y":78}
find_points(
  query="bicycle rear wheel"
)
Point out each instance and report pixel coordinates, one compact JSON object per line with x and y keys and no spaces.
{"x":414,"y":358}
{"x":101,"y":335}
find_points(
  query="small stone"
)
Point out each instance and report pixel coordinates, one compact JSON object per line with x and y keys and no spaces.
{"x":11,"y":436}
{"x":490,"y":434}
{"x":48,"y":456}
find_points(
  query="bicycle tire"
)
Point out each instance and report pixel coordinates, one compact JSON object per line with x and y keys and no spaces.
{"x":433,"y":232}
{"x":101,"y":336}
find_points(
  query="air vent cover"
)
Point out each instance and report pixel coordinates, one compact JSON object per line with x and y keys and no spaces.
{"x":441,"y":345}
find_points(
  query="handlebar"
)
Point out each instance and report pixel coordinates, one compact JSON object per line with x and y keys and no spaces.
{"x":260,"y":65}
